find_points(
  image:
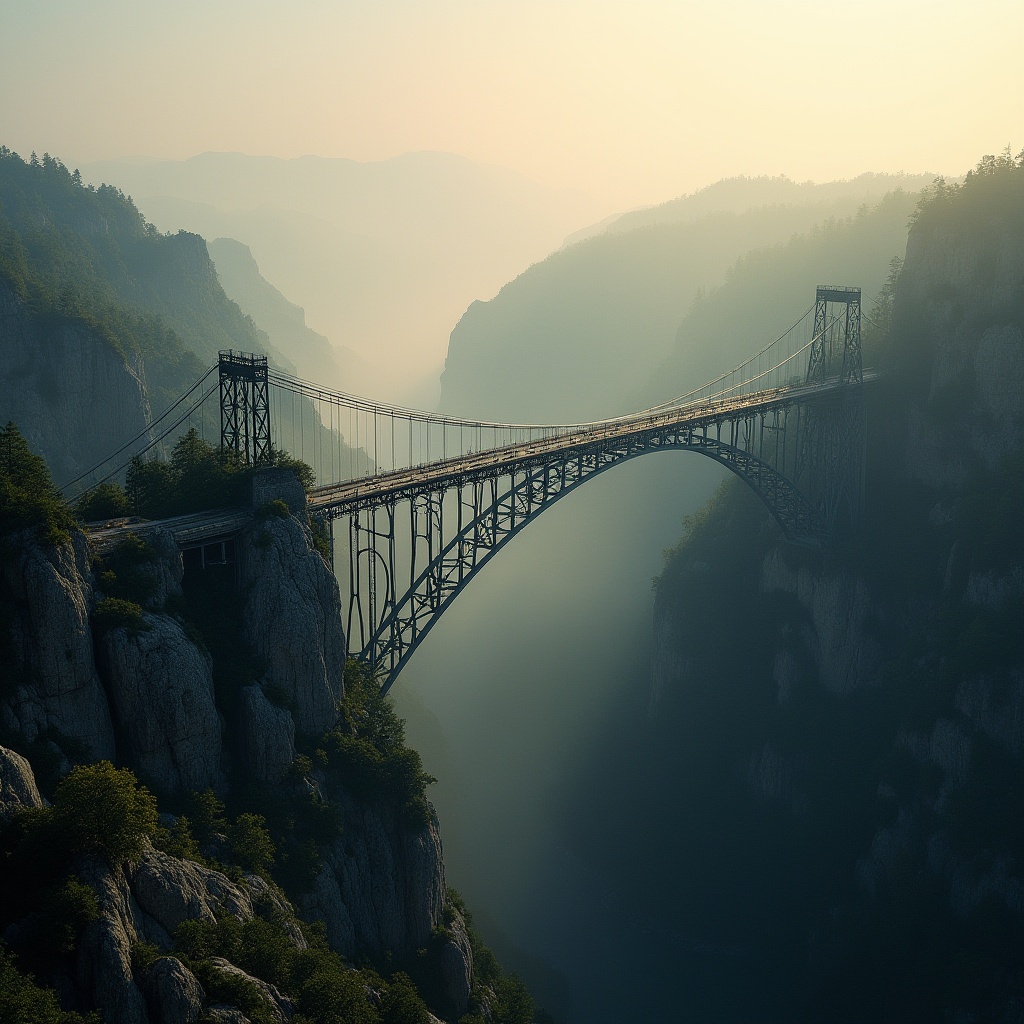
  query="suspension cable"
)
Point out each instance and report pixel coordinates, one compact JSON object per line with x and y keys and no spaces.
{"x":145,"y":430}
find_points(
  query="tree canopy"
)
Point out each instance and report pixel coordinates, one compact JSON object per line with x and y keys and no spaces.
{"x":28,"y":496}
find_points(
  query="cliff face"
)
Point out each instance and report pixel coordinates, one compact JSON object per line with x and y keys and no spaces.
{"x":53,"y":371}
{"x":52,"y":691}
{"x":879,"y":704}
{"x":292,"y":615}
{"x":144,"y":693}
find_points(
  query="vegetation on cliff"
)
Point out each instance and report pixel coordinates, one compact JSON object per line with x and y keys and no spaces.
{"x":78,"y":254}
{"x":28,"y":497}
{"x":197,"y":477}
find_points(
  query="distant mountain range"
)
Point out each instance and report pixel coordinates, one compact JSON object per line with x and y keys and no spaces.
{"x":384,"y":257}
{"x":587,"y":329}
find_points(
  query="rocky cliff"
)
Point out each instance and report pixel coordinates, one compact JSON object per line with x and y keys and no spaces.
{"x":86,"y":679}
{"x":54,"y":367}
{"x":869,"y":736}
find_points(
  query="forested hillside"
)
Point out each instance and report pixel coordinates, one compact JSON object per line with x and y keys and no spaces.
{"x":588,"y":328}
{"x":107,"y":321}
{"x":87,"y":253}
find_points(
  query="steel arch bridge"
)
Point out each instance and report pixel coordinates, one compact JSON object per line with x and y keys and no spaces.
{"x":425,"y":501}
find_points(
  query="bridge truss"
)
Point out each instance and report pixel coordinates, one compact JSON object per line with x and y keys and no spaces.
{"x":419,"y":503}
{"x":411,"y":539}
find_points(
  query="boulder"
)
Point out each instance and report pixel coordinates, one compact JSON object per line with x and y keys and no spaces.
{"x":17,"y":785}
{"x":171,"y":890}
{"x":280,"y":1007}
{"x":173,"y":994}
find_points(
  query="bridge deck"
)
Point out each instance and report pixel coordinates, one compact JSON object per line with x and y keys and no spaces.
{"x":205,"y":527}
{"x":510,"y":458}
{"x":188,"y":530}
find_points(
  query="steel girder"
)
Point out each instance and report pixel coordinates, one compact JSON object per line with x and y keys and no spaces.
{"x":453,"y":529}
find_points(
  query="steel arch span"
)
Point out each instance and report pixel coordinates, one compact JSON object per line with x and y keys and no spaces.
{"x":428,"y":499}
{"x":413,"y":547}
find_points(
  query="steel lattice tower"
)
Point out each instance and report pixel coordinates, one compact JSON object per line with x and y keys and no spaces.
{"x":830,"y":465}
{"x":245,"y":406}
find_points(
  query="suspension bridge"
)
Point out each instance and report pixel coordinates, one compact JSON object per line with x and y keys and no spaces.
{"x":424,"y":500}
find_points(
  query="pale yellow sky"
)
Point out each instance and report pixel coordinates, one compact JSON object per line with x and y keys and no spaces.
{"x":633,"y":102}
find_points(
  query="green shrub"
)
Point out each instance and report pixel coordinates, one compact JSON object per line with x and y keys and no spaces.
{"x":322,"y":540}
{"x":68,"y":910}
{"x":234,"y":990}
{"x":128,"y":572}
{"x":276,"y":509}
{"x":251,"y":844}
{"x":107,"y":501}
{"x":115,"y":613}
{"x":22,"y":1001}
{"x":206,"y":814}
{"x":178,"y":841}
{"x":401,"y":1003}
{"x":98,"y":808}
{"x":369,"y":752}
{"x":144,"y":955}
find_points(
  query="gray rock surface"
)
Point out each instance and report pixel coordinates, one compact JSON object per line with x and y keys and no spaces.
{"x":165,"y":572}
{"x":292,"y":618}
{"x":104,"y":960}
{"x":382,"y":886}
{"x":53,"y":398}
{"x":171,"y":890}
{"x":268,"y":735}
{"x":161,"y":686}
{"x":173,"y":994}
{"x":226,"y":1015}
{"x":279,"y":1007}
{"x":18,"y":789}
{"x":456,"y":964}
{"x":842,"y":651}
{"x":54,"y":687}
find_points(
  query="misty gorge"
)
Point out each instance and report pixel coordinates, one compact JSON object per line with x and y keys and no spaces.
{"x":470,"y":554}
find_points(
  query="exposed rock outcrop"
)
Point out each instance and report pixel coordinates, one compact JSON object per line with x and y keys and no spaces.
{"x":171,"y":890}
{"x":268,"y":735}
{"x":53,"y":399}
{"x":164,"y":573}
{"x":18,"y":790}
{"x":292,"y":618}
{"x":52,"y":688}
{"x":173,"y":994}
{"x":104,"y":960}
{"x":279,"y":1007}
{"x":161,"y":686}
{"x":456,"y":966}
{"x":844,"y":655}
{"x":382,"y":886}
{"x":147,"y":902}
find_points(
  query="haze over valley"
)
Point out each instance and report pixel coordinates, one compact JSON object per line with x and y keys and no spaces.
{"x":722,"y":721}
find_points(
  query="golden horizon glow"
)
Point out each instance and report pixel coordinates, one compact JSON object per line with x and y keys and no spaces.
{"x":630,"y":102}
